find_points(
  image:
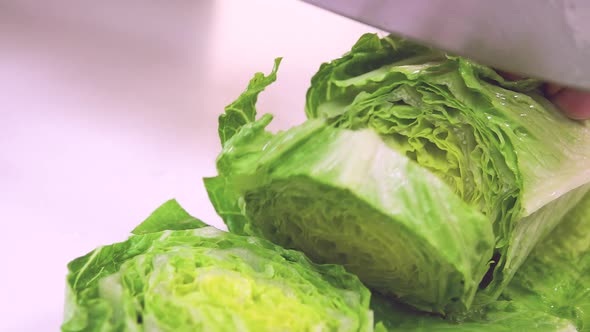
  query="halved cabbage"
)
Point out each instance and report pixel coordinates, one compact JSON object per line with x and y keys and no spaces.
{"x":550,"y":292}
{"x":413,"y":167}
{"x":204,"y":279}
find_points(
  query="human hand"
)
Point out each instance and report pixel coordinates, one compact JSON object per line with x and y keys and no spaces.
{"x":574,"y":103}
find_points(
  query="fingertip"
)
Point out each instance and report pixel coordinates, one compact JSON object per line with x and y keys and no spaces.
{"x":574,"y":103}
{"x":552,"y":89}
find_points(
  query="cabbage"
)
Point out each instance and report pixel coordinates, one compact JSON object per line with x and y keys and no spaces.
{"x":556,"y":277}
{"x":203,"y":279}
{"x":417,"y":171}
{"x":356,"y":202}
{"x":500,"y":145}
{"x":550,"y":292}
{"x":499,"y":316}
{"x":315,"y":196}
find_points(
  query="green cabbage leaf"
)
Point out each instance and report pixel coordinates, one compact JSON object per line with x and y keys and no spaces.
{"x":204,"y":279}
{"x":556,"y":277}
{"x":498,"y":316}
{"x":501,"y":146}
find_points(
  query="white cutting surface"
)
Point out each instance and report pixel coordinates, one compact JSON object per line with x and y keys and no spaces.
{"x":107,"y":110}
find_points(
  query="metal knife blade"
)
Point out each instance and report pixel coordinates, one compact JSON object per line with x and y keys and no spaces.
{"x":546,"y":39}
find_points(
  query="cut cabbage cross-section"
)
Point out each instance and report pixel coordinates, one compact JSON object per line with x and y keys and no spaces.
{"x":346,"y":197}
{"x":500,"y":145}
{"x":205,"y":279}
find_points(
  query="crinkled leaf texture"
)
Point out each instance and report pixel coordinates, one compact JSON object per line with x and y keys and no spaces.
{"x":499,"y":144}
{"x":205,"y":279}
{"x":345,"y":197}
{"x":243,"y":111}
{"x":411,"y":163}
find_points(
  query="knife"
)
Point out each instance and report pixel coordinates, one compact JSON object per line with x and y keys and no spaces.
{"x":545,"y":39}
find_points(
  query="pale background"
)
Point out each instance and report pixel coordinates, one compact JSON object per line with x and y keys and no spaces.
{"x":109,"y":108}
